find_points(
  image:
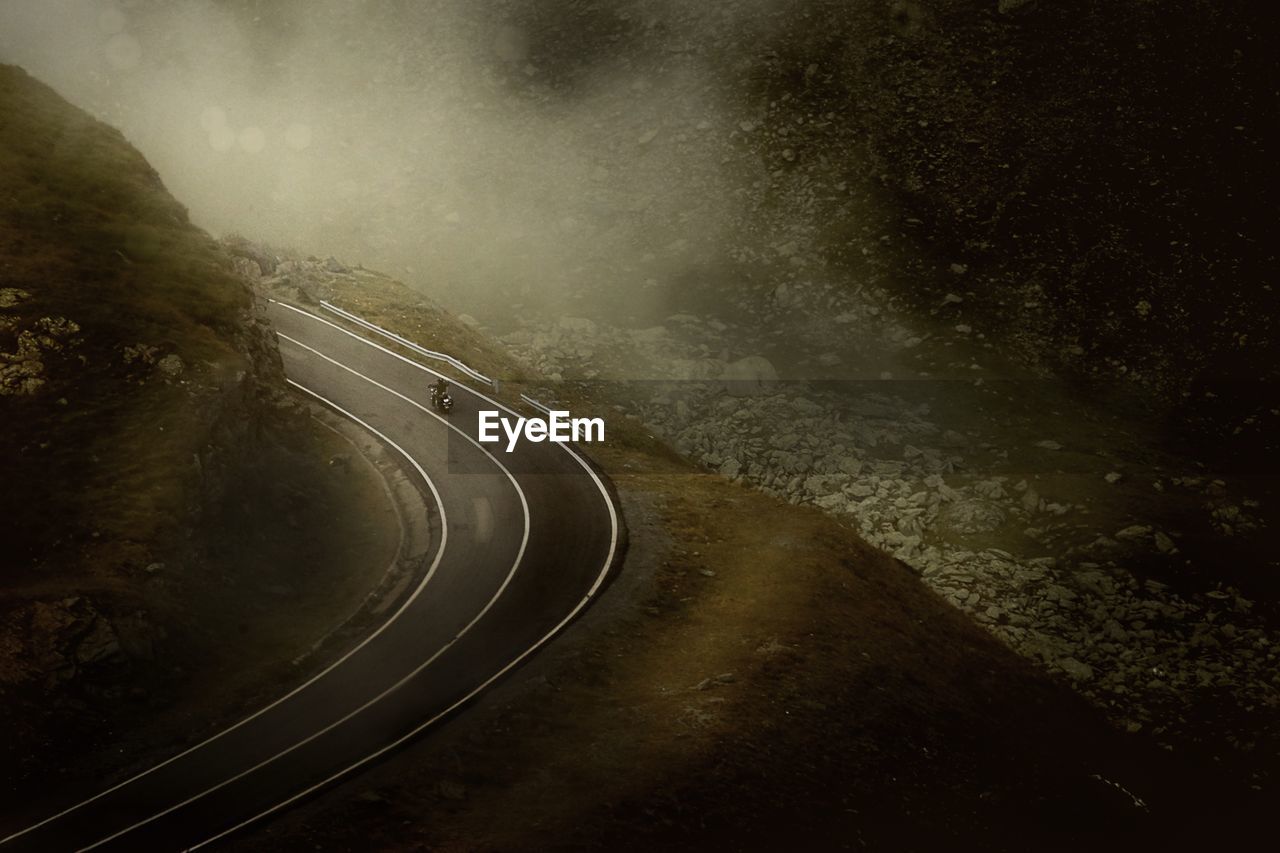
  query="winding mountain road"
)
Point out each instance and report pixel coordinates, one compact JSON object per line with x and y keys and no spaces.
{"x":528,"y":538}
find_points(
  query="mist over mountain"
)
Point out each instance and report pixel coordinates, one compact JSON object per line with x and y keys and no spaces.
{"x":428,"y":136}
{"x":1088,"y":176}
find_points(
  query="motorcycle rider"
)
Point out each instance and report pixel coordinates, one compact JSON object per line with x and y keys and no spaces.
{"x":438,"y":390}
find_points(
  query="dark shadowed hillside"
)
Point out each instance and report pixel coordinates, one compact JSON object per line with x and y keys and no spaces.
{"x":156,"y":485}
{"x":1102,"y":170}
{"x":130,"y":347}
{"x":1102,"y":175}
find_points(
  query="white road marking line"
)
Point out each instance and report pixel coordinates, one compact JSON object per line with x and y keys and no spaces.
{"x":405,"y":342}
{"x":608,"y":499}
{"x":595,"y":587}
{"x":599,"y":581}
{"x":372,"y":756}
{"x":604,"y":492}
{"x":501,"y":589}
{"x":444,"y":538}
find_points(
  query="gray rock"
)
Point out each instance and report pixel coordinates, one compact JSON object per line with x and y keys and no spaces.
{"x":787,"y":441}
{"x":971,"y":516}
{"x":101,"y":643}
{"x":751,"y":375}
{"x":991,"y":489}
{"x":1031,"y":500}
{"x":577,"y":326}
{"x":11,"y":296}
{"x":1076,"y":670}
{"x":171,"y":365}
{"x":247,"y":267}
{"x":1165,"y":544}
{"x":850,"y":465}
{"x":860,"y":490}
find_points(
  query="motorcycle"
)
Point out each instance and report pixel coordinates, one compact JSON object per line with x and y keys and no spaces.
{"x":442,"y":402}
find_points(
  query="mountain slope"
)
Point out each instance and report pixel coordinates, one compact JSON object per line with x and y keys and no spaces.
{"x":161,"y":494}
{"x":128,"y":345}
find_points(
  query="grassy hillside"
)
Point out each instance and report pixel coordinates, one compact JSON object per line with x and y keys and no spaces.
{"x":125,"y":344}
{"x":160,"y":496}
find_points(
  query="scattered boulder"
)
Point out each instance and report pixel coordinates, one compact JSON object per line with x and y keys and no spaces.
{"x":171,"y":365}
{"x":1134,"y":532}
{"x":751,"y":375}
{"x":11,"y":296}
{"x":1076,"y":670}
{"x":971,"y":516}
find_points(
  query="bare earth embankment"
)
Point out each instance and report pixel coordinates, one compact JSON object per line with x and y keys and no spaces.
{"x":757,"y":676}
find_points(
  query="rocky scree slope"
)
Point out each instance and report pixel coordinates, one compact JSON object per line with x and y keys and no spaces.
{"x":1082,"y":548}
{"x":1081,"y":189}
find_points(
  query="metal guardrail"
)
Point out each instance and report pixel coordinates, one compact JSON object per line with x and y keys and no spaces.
{"x":423,"y":351}
{"x":546,"y":410}
{"x":408,"y":344}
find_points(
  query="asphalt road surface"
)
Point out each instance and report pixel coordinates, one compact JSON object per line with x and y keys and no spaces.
{"x":527,"y":539}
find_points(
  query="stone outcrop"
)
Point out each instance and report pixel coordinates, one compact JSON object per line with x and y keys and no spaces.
{"x":998,"y":544}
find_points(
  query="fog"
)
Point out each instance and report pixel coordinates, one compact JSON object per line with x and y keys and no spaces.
{"x":481,"y":151}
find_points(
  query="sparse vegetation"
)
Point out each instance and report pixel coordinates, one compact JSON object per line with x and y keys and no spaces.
{"x":757,"y":677}
{"x":158,"y":491}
